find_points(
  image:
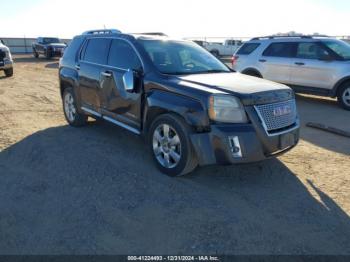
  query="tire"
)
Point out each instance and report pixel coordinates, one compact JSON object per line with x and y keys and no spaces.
{"x":48,"y":54}
{"x":253,"y":73}
{"x":36,"y":54}
{"x":180,"y":155}
{"x":73,"y":117}
{"x":215,"y":53}
{"x":344,"y":96}
{"x":8,"y":72}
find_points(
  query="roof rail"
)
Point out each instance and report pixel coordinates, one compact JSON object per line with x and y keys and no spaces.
{"x":102,"y":31}
{"x":153,"y":33}
{"x":287,"y":36}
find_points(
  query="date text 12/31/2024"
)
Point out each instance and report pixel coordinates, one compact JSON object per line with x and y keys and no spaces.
{"x":173,"y":258}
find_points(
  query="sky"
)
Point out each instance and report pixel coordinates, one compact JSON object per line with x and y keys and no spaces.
{"x":179,"y":18}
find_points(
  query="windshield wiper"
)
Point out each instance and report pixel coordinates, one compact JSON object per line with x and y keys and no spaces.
{"x":177,"y":73}
{"x":212,"y":71}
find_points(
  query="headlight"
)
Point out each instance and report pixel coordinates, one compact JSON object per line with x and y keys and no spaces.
{"x":226,"y":109}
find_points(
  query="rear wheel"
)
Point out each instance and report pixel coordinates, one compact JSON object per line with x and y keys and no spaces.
{"x":170,"y":145}
{"x":252,"y":73}
{"x":9,"y":72}
{"x":344,"y":96}
{"x":73,"y":117}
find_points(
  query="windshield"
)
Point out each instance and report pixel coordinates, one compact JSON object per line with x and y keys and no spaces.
{"x":50,"y":40}
{"x":341,"y":48}
{"x":180,"y":58}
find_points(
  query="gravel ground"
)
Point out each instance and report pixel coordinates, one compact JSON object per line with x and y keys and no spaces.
{"x":94,"y":190}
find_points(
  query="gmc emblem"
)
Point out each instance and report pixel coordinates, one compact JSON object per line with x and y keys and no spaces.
{"x":282,"y":110}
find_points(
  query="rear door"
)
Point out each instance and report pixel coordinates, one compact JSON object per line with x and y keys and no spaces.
{"x":309,"y":70}
{"x":92,"y":61}
{"x":275,"y":62}
{"x":117,"y":103}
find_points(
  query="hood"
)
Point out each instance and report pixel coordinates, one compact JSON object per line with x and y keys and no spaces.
{"x":234,"y":82}
{"x":251,"y":90}
{"x":57,"y":45}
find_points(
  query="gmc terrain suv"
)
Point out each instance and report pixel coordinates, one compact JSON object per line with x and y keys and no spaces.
{"x":49,"y":47}
{"x":312,"y":65}
{"x":191,"y":108}
{"x":6,"y":62}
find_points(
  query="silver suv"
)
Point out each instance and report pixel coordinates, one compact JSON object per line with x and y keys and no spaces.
{"x":312,"y":65}
{"x":6,"y":63}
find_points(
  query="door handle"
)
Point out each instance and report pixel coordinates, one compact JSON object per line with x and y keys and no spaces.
{"x":77,"y":67}
{"x":262,"y":60}
{"x":299,"y":63}
{"x":106,"y":74}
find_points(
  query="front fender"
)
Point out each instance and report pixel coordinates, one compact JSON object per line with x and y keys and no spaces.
{"x":191,"y":110}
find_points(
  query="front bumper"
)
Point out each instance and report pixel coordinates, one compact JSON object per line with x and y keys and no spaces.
{"x":6,"y":64}
{"x":220,"y":146}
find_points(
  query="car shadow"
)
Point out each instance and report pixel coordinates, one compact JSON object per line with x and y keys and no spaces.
{"x":52,"y":65}
{"x":324,"y":111}
{"x":95,"y":190}
{"x":31,"y":59}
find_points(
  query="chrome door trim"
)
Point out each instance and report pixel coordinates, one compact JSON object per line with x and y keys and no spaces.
{"x":109,"y":119}
{"x":131,"y":129}
{"x":92,"y":112}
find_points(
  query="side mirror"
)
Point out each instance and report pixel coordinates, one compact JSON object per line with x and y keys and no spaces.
{"x":2,"y":42}
{"x":128,"y":80}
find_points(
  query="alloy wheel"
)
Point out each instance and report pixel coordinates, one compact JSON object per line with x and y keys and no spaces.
{"x":167,"y":146}
{"x":69,"y":107}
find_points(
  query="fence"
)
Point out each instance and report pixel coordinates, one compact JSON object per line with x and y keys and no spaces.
{"x":22,"y":45}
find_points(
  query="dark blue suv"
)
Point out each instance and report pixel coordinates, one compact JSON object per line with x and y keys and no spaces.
{"x":190,"y":107}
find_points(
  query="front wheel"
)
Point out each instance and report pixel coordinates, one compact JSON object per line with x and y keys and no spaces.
{"x":344,"y":96}
{"x":9,"y":72}
{"x":73,"y":117}
{"x":170,"y":145}
{"x":36,"y":54}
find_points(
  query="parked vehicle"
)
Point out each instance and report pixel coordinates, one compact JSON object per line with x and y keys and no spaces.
{"x":312,"y":65}
{"x":201,"y":43}
{"x":6,"y":62}
{"x":228,"y":48}
{"x":190,"y":108}
{"x":49,"y":47}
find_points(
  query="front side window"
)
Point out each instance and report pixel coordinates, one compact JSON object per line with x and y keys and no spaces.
{"x":122,"y":55}
{"x":97,"y":51}
{"x":311,"y":50}
{"x":341,"y":48}
{"x":181,"y":57}
{"x":280,"y":50}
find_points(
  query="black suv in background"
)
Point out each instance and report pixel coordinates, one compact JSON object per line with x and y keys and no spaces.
{"x":49,"y":47}
{"x":189,"y":106}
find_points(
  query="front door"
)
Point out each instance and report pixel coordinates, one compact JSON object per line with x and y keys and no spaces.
{"x":116,"y":102}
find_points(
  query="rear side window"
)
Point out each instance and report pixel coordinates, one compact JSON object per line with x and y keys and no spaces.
{"x":70,"y":53}
{"x":97,"y":51}
{"x":280,"y":50}
{"x":248,"y":48}
{"x":122,"y":55}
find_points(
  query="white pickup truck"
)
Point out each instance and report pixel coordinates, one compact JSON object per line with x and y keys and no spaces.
{"x":228,"y":48}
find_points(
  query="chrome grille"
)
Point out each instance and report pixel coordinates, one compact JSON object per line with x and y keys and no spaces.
{"x":278,"y":115}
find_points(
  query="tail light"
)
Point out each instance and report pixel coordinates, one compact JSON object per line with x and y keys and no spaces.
{"x":234,"y":60}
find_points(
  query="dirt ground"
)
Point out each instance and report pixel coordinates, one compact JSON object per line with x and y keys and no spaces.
{"x":95,"y":190}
